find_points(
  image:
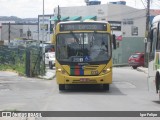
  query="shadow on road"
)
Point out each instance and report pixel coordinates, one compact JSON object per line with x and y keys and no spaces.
{"x":157,"y":102}
{"x":91,"y":89}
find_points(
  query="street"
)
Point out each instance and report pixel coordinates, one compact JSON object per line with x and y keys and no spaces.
{"x":129,"y":92}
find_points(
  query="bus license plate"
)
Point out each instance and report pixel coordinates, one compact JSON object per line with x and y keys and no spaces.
{"x":84,"y":79}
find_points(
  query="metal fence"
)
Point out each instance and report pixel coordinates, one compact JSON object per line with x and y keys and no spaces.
{"x":25,"y":60}
{"x":34,"y":61}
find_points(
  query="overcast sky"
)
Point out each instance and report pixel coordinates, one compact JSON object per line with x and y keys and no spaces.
{"x":33,"y":8}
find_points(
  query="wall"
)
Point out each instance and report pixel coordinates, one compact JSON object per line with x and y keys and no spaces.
{"x":127,"y":46}
{"x":48,"y":27}
{"x":98,"y":10}
{"x":1,"y":27}
{"x":19,"y":30}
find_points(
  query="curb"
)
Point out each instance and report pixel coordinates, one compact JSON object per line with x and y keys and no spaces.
{"x":120,"y":65}
{"x":50,"y":78}
{"x":142,"y":70}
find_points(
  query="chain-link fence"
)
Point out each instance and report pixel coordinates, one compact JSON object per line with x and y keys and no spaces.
{"x":25,"y":60}
{"x":34,"y":61}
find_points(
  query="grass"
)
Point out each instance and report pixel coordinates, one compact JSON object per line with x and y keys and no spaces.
{"x":15,"y":68}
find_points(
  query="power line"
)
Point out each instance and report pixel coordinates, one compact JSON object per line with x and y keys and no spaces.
{"x":143,"y":4}
{"x":158,"y":4}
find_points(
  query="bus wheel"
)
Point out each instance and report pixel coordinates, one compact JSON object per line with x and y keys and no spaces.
{"x":157,"y":82}
{"x":61,"y":87}
{"x":134,"y":67}
{"x":106,"y":87}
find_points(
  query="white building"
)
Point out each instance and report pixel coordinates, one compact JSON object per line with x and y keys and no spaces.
{"x":131,"y":21}
{"x":1,"y":26}
{"x":18,"y":31}
{"x":46,"y":31}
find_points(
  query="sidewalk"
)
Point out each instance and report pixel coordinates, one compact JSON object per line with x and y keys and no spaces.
{"x":50,"y":74}
{"x":143,"y":69}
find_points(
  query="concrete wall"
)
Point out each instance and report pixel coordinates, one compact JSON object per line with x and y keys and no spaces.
{"x":1,"y":27}
{"x":127,"y":46}
{"x":19,"y":31}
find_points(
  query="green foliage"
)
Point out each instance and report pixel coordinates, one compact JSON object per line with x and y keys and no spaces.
{"x":15,"y":59}
{"x":10,"y":59}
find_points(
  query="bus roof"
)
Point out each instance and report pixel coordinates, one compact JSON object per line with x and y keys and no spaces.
{"x":86,"y":21}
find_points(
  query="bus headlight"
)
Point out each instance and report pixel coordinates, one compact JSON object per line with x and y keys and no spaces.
{"x":107,"y":70}
{"x":60,"y":70}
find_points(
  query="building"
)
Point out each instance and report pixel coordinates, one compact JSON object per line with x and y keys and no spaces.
{"x":35,"y":31}
{"x":45,"y":30}
{"x":19,"y":31}
{"x":1,"y":27}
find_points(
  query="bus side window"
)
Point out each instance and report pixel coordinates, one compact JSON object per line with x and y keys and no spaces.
{"x":158,"y":37}
{"x":151,"y":40}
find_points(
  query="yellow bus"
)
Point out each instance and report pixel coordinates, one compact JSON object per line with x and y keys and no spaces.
{"x":84,"y":53}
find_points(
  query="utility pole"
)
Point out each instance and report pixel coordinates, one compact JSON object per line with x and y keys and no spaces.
{"x":58,"y":15}
{"x":148,"y":17}
{"x":147,"y":31}
{"x":9,"y":32}
{"x":43,"y":24}
{"x":43,"y":50}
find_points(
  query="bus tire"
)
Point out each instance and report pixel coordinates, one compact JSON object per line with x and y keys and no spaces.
{"x":157,"y":81}
{"x":61,"y":87}
{"x":106,"y":87}
{"x":134,"y":67}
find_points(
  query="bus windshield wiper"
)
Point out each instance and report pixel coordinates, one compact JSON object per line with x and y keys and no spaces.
{"x":93,"y":37}
{"x":77,"y":40}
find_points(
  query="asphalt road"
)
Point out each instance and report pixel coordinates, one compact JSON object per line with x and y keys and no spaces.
{"x":129,"y":92}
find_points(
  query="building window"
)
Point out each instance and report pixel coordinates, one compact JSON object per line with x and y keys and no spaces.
{"x":103,"y":19}
{"x":21,"y":32}
{"x":134,"y":30}
{"x":45,"y":27}
{"x":115,"y":25}
{"x":128,"y":22}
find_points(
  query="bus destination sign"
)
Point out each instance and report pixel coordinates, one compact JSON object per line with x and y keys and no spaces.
{"x":83,"y":26}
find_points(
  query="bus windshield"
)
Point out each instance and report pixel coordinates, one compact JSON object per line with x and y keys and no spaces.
{"x":83,"y":47}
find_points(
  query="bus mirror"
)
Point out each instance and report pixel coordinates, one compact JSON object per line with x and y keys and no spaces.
{"x":148,"y":47}
{"x":114,"y":41}
{"x":53,"y":39}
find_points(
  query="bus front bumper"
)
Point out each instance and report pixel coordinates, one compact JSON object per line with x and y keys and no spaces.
{"x":100,"y":79}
